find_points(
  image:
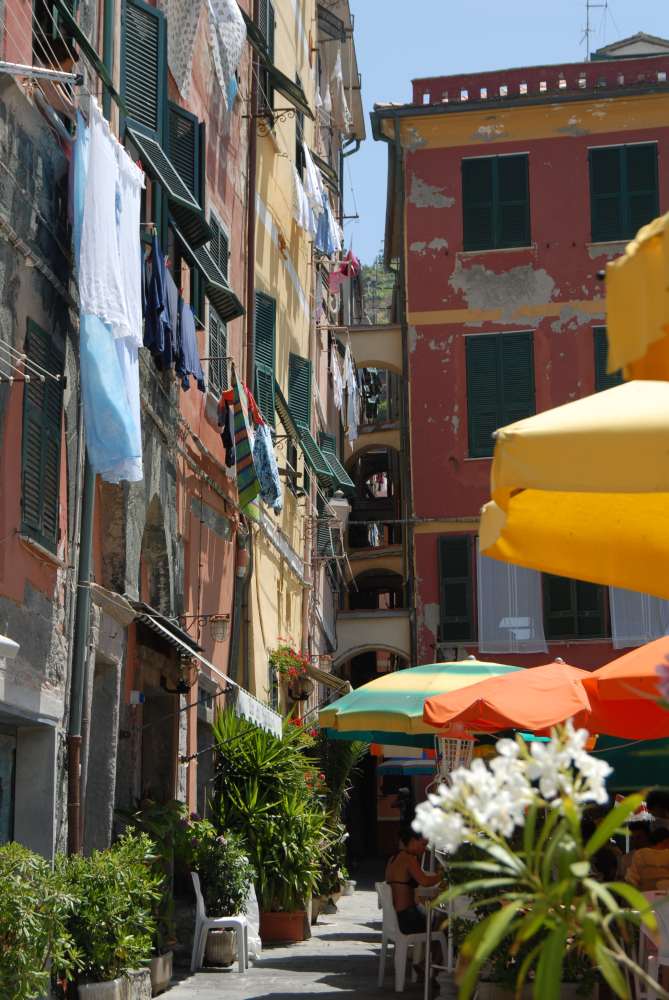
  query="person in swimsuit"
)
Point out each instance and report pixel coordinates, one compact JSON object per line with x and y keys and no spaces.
{"x":404,"y":874}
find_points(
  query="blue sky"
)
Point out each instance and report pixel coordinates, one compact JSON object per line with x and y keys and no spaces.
{"x":397,"y":40}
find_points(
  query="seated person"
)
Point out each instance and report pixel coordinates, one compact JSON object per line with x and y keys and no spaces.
{"x":640,"y":834}
{"x":404,"y":874}
{"x":649,"y":868}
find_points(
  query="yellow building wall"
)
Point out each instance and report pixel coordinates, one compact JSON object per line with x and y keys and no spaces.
{"x":283,"y":271}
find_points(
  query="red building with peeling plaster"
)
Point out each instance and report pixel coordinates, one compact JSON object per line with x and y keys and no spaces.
{"x":508,"y":192}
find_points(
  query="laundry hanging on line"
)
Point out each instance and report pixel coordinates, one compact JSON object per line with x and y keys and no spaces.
{"x":106,"y":198}
{"x":262,"y":446}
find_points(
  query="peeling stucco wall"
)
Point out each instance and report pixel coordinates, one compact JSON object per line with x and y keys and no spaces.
{"x":424,"y":195}
{"x":483,"y":288}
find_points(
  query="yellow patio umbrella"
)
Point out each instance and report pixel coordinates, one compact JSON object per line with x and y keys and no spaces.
{"x":583,"y":490}
{"x":637,"y":305}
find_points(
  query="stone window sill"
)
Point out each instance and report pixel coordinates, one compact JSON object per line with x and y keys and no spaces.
{"x":40,"y":551}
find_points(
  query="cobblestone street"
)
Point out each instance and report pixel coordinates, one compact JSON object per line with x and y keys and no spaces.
{"x":340,"y":959}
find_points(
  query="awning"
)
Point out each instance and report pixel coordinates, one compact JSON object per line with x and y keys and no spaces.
{"x":330,"y":680}
{"x":245,"y":704}
{"x":167,"y":629}
{"x":293,"y":91}
{"x":216,"y":286}
{"x":300,"y":433}
{"x":343,"y":481}
{"x":184,"y":208}
{"x":582,"y":490}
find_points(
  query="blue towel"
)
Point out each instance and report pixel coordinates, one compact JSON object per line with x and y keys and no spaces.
{"x":188,"y":355}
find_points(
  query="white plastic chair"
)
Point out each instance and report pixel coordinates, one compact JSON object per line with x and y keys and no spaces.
{"x":654,"y":953}
{"x":402,"y":942}
{"x":203,"y":924}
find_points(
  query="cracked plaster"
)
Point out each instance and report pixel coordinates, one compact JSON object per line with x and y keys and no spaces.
{"x":424,"y":195}
{"x":522,"y":285}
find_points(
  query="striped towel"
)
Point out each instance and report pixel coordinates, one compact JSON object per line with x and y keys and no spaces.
{"x":248,"y":486}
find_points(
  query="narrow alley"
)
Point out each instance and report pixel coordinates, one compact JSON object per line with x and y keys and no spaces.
{"x":340,"y":959}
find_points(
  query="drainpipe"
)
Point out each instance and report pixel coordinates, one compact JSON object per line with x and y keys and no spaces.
{"x":83,"y":600}
{"x":241,"y":573}
{"x":405,"y":436}
{"x":246,"y":607}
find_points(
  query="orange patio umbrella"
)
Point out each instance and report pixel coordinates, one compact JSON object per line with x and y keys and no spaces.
{"x":632,"y":677}
{"x":533,"y":699}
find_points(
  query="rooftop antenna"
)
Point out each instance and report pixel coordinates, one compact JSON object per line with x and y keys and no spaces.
{"x":589,"y":30}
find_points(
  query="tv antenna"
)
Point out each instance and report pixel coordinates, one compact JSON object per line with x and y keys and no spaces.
{"x":589,"y":30}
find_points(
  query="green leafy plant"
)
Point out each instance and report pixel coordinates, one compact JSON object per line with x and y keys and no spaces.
{"x":225,"y":872}
{"x":339,"y":760}
{"x":289,"y":662}
{"x":538,"y":895}
{"x":268,"y":790}
{"x":35,"y":903}
{"x":112,"y":923}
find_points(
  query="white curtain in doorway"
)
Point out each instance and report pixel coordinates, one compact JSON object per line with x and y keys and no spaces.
{"x":510,"y":610}
{"x":636,"y":618}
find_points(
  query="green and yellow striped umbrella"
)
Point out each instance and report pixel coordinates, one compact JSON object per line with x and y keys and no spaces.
{"x":393,"y":703}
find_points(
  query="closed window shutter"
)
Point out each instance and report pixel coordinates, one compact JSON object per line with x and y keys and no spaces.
{"x":606,"y":194}
{"x":573,"y":609}
{"x":144,"y":66}
{"x":513,"y":203}
{"x":477,"y":204}
{"x":325,"y":536}
{"x":184,"y":148}
{"x":218,"y":349}
{"x":264,"y":340}
{"x":642,"y":193}
{"x":516,"y":377}
{"x":219,"y":246}
{"x":41,"y":441}
{"x":456,"y":620}
{"x":482,"y":408}
{"x":602,"y":378}
{"x":299,"y":389}
{"x":267,"y":25}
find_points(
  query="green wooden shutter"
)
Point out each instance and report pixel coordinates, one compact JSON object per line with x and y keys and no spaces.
{"x":573,"y":609}
{"x":641,"y":186}
{"x":482,"y":396}
{"x":456,"y":619}
{"x":219,"y":246}
{"x":602,"y":378}
{"x":264,"y":340}
{"x":144,"y":67}
{"x":299,"y":389}
{"x":41,"y":441}
{"x":516,"y":377}
{"x":328,"y":445}
{"x":267,"y":26}
{"x":477,"y":203}
{"x":606,"y":194}
{"x":512,"y":215}
{"x":218,"y":350}
{"x":184,"y":148}
{"x":325,"y":537}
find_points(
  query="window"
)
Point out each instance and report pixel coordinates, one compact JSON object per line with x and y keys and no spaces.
{"x":219,"y":247}
{"x":41,"y":439}
{"x":267,"y":25}
{"x":264,"y":339}
{"x":299,"y":135}
{"x":144,"y":66}
{"x":186,"y":148}
{"x":218,"y":351}
{"x":52,"y":38}
{"x":573,"y":609}
{"x":496,"y":203}
{"x":291,"y":465}
{"x":623,"y":190}
{"x":456,"y":561}
{"x":602,"y":378}
{"x":500,"y":385}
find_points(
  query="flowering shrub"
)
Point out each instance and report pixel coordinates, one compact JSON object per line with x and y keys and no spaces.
{"x":288,"y":662}
{"x":534,"y":883}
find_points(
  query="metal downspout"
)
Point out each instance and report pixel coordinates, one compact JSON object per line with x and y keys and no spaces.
{"x":83,"y":608}
{"x":405,"y":435}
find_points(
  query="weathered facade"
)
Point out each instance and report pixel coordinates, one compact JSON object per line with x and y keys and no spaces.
{"x":132,"y":642}
{"x":508,"y":192}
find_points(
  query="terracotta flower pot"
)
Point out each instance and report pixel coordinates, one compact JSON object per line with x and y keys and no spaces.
{"x":286,"y":928}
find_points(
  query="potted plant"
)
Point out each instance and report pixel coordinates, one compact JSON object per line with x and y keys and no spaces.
{"x":170,"y":829}
{"x":35,"y":903}
{"x":112,"y":925}
{"x":225,"y":877}
{"x":291,"y":666}
{"x":269,"y":791}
